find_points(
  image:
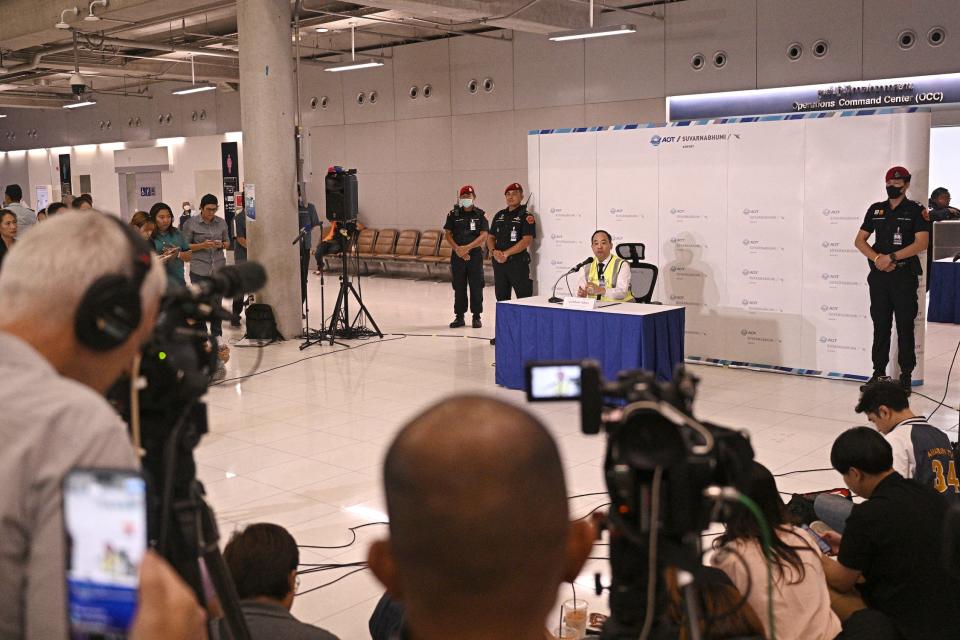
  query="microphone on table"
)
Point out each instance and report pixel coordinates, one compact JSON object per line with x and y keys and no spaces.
{"x":554,"y":299}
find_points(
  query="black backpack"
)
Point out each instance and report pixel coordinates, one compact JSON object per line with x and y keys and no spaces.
{"x":261,"y":323}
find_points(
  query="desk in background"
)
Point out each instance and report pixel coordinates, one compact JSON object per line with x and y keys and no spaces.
{"x":620,"y":336}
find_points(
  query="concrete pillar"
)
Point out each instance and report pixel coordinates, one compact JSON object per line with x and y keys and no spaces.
{"x":269,"y":158}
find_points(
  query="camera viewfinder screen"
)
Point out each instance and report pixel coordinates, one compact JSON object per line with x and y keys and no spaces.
{"x":105,"y":518}
{"x":555,"y":382}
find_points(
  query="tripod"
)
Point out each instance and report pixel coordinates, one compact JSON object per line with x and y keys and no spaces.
{"x":341,"y":310}
{"x":310,"y":337}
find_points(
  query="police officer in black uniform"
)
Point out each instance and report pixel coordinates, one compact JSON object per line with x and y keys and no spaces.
{"x":511,"y":233}
{"x":902,"y":229}
{"x":466,"y":232}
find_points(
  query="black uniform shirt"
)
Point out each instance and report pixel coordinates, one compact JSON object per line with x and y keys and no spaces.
{"x":894,"y":229}
{"x":466,"y":225}
{"x":509,"y":227}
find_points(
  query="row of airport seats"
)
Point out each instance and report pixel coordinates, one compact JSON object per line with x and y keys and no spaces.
{"x":409,"y":252}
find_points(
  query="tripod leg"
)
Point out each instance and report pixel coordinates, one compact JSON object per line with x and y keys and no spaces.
{"x":220,"y":575}
{"x":364,"y":311}
{"x":335,"y":319}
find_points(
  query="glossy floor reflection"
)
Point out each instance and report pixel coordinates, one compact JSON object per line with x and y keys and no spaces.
{"x":301,"y":443}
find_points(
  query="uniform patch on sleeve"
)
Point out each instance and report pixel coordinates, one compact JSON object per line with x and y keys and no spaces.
{"x":530,"y":219}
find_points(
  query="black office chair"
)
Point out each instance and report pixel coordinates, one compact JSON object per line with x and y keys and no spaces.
{"x":643,"y":275}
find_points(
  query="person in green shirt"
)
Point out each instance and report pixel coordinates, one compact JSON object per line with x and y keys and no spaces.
{"x":169,"y":244}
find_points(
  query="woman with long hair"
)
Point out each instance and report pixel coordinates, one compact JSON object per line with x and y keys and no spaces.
{"x":169,"y":244}
{"x":801,"y":601}
{"x":8,"y":232}
{"x":143,"y":223}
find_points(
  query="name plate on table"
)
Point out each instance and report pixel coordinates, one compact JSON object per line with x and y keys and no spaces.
{"x":583,"y":304}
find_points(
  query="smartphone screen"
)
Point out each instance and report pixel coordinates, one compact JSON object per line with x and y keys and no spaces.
{"x":105,"y":516}
{"x":823,"y":544}
{"x":560,"y":381}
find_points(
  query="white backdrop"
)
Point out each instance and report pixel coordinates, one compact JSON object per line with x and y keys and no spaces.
{"x":750,"y":220}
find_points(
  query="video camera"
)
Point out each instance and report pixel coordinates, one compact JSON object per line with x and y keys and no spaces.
{"x":167,"y":421}
{"x":665,"y":471}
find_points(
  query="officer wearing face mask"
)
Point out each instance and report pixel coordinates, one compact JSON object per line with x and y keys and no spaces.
{"x":466,"y":232}
{"x":902,"y":228}
{"x":187,"y":213}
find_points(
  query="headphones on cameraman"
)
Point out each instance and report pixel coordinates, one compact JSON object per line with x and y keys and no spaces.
{"x":110,"y":309}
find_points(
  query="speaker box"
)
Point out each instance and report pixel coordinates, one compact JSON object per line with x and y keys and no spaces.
{"x":341,"y":195}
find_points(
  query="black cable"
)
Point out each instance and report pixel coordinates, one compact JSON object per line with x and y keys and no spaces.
{"x":319,"y":355}
{"x":353,"y":532}
{"x":946,"y":387}
{"x":592,"y":511}
{"x":584,"y":495}
{"x":327,"y":584}
{"x":790,"y":473}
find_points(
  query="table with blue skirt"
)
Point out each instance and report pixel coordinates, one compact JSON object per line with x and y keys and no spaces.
{"x":944,"y":292}
{"x":618,"y":335}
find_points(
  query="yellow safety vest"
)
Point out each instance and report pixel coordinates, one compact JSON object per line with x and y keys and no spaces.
{"x":610,"y":272}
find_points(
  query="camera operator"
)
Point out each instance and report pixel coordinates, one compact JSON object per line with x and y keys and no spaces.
{"x":63,"y":343}
{"x":479,"y":541}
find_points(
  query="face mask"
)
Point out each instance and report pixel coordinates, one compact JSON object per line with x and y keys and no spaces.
{"x":466,"y":202}
{"x":894,"y":192}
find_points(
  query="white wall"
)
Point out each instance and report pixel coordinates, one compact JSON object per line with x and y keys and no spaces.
{"x":945,"y":161}
{"x":413,"y":154}
{"x":189,"y":159}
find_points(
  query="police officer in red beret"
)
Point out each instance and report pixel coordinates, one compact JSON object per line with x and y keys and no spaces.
{"x":466,"y":233}
{"x":511,"y":233}
{"x":902,"y":229}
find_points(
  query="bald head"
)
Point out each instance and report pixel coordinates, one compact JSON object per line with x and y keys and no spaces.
{"x":478,"y":507}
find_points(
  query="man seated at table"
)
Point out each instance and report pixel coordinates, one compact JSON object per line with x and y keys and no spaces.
{"x":608,"y":276}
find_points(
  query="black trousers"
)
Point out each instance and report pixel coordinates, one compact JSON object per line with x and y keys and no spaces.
{"x":512,"y":275}
{"x":467,"y":272}
{"x":215,"y":323}
{"x":893,"y":297}
{"x":329,"y":247}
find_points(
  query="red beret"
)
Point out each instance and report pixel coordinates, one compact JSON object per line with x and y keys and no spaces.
{"x":467,"y":188}
{"x":514,"y":186}
{"x":897,"y":173}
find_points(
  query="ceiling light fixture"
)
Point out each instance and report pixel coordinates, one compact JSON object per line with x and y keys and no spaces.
{"x":321,"y":30}
{"x":592,"y":32}
{"x":63,"y":18}
{"x":194,"y":87}
{"x":91,"y":17}
{"x":353,"y":64}
{"x":82,"y":103}
{"x":3,"y":115}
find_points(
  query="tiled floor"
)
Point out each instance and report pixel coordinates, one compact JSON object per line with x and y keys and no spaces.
{"x":301,"y":445}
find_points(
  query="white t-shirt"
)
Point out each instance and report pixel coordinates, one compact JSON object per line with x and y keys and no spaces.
{"x":801,"y":608}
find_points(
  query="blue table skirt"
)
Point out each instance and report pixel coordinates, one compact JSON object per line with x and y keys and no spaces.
{"x":653,"y":342}
{"x":944,"y":292}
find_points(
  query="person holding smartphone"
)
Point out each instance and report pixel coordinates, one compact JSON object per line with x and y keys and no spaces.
{"x":63,"y":343}
{"x":207,"y":237}
{"x":169,"y":244}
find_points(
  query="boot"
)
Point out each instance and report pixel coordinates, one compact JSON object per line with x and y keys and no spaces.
{"x":906,"y":382}
{"x":476,"y":321}
{"x":457,"y":322}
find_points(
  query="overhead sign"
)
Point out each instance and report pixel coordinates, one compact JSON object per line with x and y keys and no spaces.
{"x":923,"y":91}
